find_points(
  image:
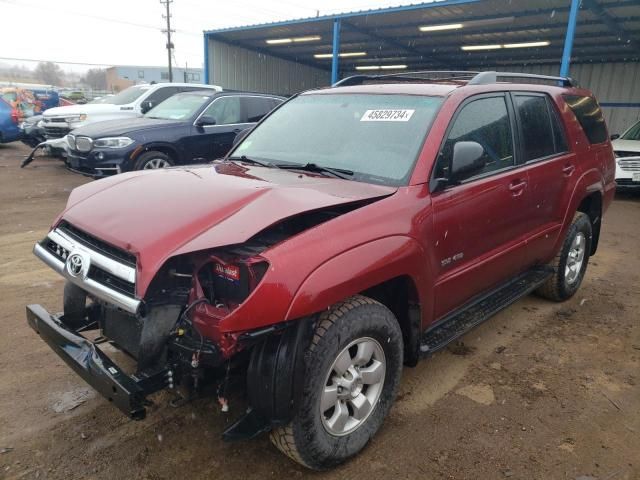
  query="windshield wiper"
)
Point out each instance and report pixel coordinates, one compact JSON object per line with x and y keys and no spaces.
{"x":313,"y":167}
{"x":244,"y":158}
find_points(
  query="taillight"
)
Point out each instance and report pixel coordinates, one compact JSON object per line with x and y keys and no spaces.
{"x":15,"y":115}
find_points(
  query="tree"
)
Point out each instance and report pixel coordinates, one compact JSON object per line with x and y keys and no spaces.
{"x":96,"y":78}
{"x":49,"y":73}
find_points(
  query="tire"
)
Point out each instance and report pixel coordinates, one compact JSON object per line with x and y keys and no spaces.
{"x":152,"y":160}
{"x":570,"y":264}
{"x":366,"y":326}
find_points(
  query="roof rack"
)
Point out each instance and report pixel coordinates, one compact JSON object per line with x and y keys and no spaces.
{"x":451,"y":76}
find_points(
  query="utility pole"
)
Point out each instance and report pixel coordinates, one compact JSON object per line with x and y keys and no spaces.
{"x":168,"y":31}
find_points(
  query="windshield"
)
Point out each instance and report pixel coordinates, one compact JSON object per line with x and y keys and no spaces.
{"x":377,"y":137}
{"x":633,"y":133}
{"x":178,"y":107}
{"x":125,"y":96}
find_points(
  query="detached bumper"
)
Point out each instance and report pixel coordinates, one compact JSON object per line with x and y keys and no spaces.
{"x":87,"y":360}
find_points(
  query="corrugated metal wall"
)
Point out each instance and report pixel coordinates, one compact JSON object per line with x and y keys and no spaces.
{"x":610,"y":82}
{"x":241,"y":69}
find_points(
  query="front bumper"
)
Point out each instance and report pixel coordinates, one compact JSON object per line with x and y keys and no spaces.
{"x":628,"y":172}
{"x":87,"y":360}
{"x":100,"y":162}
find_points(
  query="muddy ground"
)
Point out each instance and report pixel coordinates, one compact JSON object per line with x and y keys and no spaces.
{"x":541,"y":391}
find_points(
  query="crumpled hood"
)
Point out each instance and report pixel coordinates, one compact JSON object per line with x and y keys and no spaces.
{"x":157,"y":214}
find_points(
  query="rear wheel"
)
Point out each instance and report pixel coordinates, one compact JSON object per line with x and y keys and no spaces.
{"x":570,"y":264}
{"x":153,"y":160}
{"x":352,"y":371}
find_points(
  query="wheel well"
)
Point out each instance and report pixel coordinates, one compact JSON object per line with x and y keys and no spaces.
{"x":400,"y":295}
{"x":170,"y":152}
{"x":592,"y":206}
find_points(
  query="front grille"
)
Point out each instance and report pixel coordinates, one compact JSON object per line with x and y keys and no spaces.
{"x":627,"y":154}
{"x":98,"y":245}
{"x":83,"y":144}
{"x":630,"y":165}
{"x":111,"y":281}
{"x":627,"y":182}
{"x":55,"y":132}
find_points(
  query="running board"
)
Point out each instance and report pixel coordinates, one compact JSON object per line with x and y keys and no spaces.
{"x":478,"y":310}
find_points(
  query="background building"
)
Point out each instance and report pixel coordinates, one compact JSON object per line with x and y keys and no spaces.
{"x":123,"y":76}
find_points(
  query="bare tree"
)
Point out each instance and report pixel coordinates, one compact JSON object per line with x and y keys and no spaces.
{"x":96,"y":78}
{"x":49,"y":73}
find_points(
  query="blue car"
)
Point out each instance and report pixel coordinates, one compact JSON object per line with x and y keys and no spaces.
{"x":9,"y":120}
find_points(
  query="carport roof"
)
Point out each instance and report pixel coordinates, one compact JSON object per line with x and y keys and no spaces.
{"x":607,"y":31}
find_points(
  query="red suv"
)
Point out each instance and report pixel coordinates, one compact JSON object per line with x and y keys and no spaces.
{"x":355,"y":229}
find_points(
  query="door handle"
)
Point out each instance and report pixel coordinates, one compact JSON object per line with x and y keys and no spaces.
{"x":517,"y":187}
{"x":568,"y":170}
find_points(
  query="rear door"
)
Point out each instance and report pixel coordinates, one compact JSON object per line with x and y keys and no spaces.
{"x":550,"y":166}
{"x":480,"y":224}
{"x":214,"y":141}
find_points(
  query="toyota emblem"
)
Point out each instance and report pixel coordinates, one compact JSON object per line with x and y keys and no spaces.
{"x":75,"y":264}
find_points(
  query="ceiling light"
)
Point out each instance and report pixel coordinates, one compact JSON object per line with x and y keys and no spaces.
{"x":481,"y":47}
{"x":526,"y":44}
{"x":343,"y":55}
{"x":436,"y":28}
{"x":279,"y":41}
{"x":310,"y":38}
{"x":381,"y":67}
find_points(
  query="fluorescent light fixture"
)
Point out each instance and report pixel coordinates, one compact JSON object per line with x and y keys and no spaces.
{"x":526,"y":44}
{"x":381,"y":67}
{"x":280,"y":41}
{"x":342,"y":55}
{"x":481,"y":47}
{"x":437,"y":28}
{"x":310,"y":38}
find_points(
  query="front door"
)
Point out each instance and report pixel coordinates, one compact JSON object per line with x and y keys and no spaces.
{"x":480,"y":223}
{"x":210,"y":142}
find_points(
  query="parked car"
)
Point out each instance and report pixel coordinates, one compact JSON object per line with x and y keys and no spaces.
{"x":9,"y":120}
{"x":129,"y":103}
{"x":26,"y":104}
{"x":193,"y":127}
{"x":627,"y":151}
{"x":353,"y":229}
{"x":32,"y":130}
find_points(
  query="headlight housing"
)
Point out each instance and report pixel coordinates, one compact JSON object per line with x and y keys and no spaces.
{"x":76,"y":118}
{"x":113,"y":142}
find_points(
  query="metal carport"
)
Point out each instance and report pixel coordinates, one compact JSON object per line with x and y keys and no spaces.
{"x":595,"y":41}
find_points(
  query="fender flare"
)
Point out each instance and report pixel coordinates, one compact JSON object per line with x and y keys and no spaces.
{"x":154,"y":145}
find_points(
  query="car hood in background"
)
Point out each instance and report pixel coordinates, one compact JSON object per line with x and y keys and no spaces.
{"x":157,"y":214}
{"x":620,"y":145}
{"x":87,"y":109}
{"x":122,"y":126}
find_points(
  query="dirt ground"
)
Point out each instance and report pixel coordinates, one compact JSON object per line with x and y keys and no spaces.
{"x":541,"y":391}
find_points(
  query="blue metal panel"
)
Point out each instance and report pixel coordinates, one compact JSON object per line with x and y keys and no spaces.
{"x":335,"y":60}
{"x":568,"y":41}
{"x":404,"y":8}
{"x":206,"y":59}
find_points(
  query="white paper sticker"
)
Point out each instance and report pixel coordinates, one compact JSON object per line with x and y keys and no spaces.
{"x":387,"y":115}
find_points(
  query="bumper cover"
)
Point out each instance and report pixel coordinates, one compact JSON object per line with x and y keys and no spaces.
{"x":87,"y":360}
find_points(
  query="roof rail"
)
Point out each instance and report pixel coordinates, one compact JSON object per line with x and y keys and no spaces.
{"x":471,"y":78}
{"x":486,"y":78}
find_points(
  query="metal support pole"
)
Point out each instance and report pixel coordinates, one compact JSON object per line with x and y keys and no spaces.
{"x":568,"y":41}
{"x":206,"y":59}
{"x":335,"y":60}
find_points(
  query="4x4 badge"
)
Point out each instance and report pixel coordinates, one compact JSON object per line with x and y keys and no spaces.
{"x":75,"y":264}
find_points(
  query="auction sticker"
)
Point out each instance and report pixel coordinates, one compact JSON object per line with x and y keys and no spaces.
{"x":387,"y":115}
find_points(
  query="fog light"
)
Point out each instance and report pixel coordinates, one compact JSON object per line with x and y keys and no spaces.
{"x":100,"y":156}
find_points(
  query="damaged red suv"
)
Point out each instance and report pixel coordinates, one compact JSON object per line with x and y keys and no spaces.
{"x":355,"y":229}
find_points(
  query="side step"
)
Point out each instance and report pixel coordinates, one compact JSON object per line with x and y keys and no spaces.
{"x":480,"y":309}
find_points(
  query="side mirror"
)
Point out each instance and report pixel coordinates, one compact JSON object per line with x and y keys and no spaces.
{"x":205,"y":120}
{"x":146,"y":106}
{"x":615,"y":136}
{"x":468,"y":160}
{"x":240,"y":136}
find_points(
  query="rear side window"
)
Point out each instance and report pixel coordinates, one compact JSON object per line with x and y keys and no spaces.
{"x":539,"y":127}
{"x":589,"y":115}
{"x":258,"y":107}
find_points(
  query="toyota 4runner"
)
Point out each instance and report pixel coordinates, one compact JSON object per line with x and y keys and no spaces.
{"x":355,"y":229}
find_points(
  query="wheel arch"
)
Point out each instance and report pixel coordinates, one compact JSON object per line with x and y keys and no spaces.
{"x":592,"y":206}
{"x":165,"y":148}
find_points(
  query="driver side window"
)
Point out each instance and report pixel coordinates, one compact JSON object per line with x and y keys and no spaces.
{"x":485,"y":121}
{"x":225,"y":111}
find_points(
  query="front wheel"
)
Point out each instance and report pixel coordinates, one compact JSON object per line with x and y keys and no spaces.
{"x":352,"y":372}
{"x":570,"y":264}
{"x":153,"y":160}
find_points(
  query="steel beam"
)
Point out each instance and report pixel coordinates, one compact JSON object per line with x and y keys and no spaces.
{"x":568,"y":41}
{"x":335,"y":59}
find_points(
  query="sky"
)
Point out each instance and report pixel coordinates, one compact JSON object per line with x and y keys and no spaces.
{"x":127,"y":32}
